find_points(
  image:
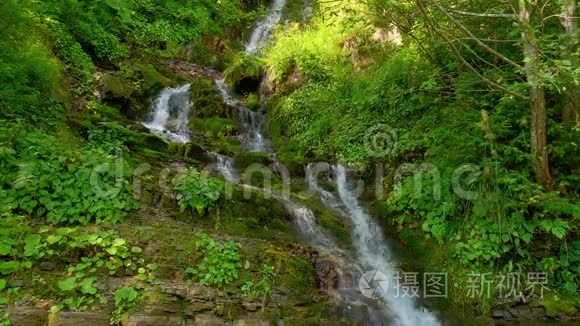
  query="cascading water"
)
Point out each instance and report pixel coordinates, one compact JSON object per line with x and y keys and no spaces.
{"x":347,"y":271}
{"x":372,"y":251}
{"x":225,"y":166}
{"x":170,"y":114}
{"x":263,"y":29}
{"x":253,"y":139}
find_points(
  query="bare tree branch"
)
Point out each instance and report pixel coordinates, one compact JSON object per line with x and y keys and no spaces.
{"x":475,"y":38}
{"x":485,"y":15}
{"x":466,"y":63}
{"x":488,"y":40}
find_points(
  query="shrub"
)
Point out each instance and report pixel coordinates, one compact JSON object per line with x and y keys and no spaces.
{"x":197,"y":191}
{"x":220,"y":264}
{"x":43,"y":178}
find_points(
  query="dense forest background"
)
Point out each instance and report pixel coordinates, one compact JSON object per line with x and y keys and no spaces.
{"x":490,"y":87}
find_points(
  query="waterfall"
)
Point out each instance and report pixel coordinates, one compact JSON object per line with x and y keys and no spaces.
{"x":252,"y":122}
{"x":263,"y":29}
{"x":225,"y":166}
{"x":372,"y":251}
{"x":303,"y":216}
{"x":170,"y":114}
{"x":226,"y":93}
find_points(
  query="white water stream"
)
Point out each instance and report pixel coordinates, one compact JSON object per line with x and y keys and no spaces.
{"x":169,"y":119}
{"x":372,"y":250}
{"x":252,"y":122}
{"x":170,"y":114}
{"x":263,"y":30}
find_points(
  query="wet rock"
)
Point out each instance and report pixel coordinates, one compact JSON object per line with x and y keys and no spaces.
{"x":250,"y":306}
{"x":47,"y":266}
{"x":219,"y":310}
{"x":279,"y":299}
{"x":198,"y":306}
{"x":69,"y":318}
{"x":251,"y":322}
{"x":208,"y":320}
{"x":498,"y":314}
{"x":28,"y":316}
{"x":16,"y":283}
{"x":148,"y":320}
{"x":195,"y":152}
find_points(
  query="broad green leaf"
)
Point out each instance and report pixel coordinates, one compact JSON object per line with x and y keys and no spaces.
{"x":68,"y":285}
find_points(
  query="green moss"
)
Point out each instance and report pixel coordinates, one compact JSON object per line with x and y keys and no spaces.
{"x":243,"y":160}
{"x":557,"y":304}
{"x":249,"y":213}
{"x":117,"y":85}
{"x":287,"y":151}
{"x":261,"y":176}
{"x":215,"y":125}
{"x":151,"y":76}
{"x":243,"y":65}
{"x":335,"y":225}
{"x":108,"y":113}
{"x":190,"y":152}
{"x":141,"y":141}
{"x":292,"y":272}
{"x":227,"y":145}
{"x":204,"y":98}
{"x":330,"y":221}
{"x":152,"y":153}
{"x":252,"y":101}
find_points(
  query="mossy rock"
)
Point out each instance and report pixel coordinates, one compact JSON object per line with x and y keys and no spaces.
{"x":204,"y":97}
{"x":140,"y":141}
{"x":215,"y":125}
{"x":242,"y":160}
{"x":117,"y":86}
{"x":247,"y":212}
{"x":556,"y":305}
{"x":261,"y":176}
{"x":191,"y":152}
{"x":329,"y":220}
{"x":227,"y":146}
{"x":152,"y":78}
{"x":131,"y":88}
{"x":293,"y":272}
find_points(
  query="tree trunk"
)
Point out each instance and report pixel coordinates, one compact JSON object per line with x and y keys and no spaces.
{"x":539,"y":135}
{"x":571,"y":109}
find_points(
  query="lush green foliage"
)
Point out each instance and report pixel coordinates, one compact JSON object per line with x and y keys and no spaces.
{"x":262,"y":287}
{"x":125,"y":298}
{"x":243,"y":65}
{"x":23,"y":247}
{"x":44,"y":178}
{"x":198,"y":191}
{"x":220,"y":264}
{"x":109,"y":29}
{"x":28,"y":73}
{"x":314,"y":52}
{"x":364,"y":103}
